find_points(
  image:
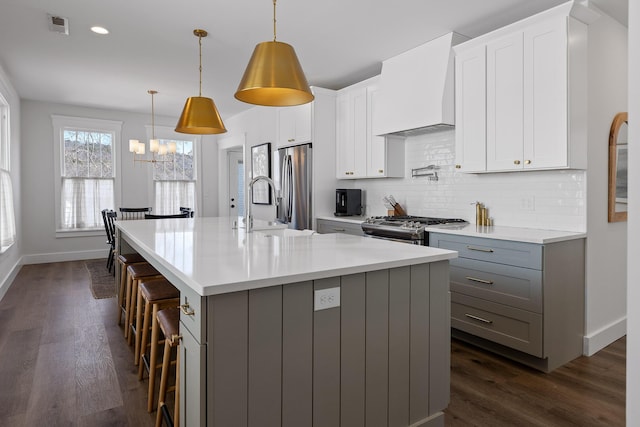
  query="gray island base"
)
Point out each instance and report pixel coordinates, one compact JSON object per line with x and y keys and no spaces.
{"x":263,"y":356}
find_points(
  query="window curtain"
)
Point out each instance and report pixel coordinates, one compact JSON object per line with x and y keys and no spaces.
{"x":171,"y":195}
{"x":83,"y":199}
{"x":7,"y":216}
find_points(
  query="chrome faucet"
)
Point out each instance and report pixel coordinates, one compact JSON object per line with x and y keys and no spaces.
{"x":248,"y":221}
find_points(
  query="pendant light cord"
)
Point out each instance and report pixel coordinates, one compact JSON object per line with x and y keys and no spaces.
{"x":153,"y":123}
{"x":274,"y":20}
{"x":200,"y":47}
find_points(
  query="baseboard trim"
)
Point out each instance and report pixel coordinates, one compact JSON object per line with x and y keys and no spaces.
{"x":9,"y":278}
{"x":63,"y":256}
{"x":596,"y":341}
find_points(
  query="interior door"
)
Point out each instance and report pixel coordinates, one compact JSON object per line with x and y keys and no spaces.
{"x":236,"y":183}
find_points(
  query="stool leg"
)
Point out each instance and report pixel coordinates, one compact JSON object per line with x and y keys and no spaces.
{"x":166,"y":364}
{"x":153,"y":358}
{"x":127,"y":306}
{"x":121,"y":288}
{"x":132,"y":308}
{"x":144,"y":341}
{"x":140,"y":332}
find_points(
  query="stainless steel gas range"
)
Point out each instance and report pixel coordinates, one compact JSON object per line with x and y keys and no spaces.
{"x":407,"y":229}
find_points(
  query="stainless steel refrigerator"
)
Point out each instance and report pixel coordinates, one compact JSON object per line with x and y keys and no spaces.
{"x":292,"y":179}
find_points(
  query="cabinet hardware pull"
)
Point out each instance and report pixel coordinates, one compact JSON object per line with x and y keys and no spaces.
{"x":471,"y":248}
{"x":527,"y":162}
{"x":291,"y":140}
{"x":339,"y":230}
{"x":473,"y":279}
{"x":380,"y":171}
{"x":480,"y":319}
{"x":516,"y":162}
{"x":346,"y":173}
{"x":458,"y":166}
{"x":187,"y":310}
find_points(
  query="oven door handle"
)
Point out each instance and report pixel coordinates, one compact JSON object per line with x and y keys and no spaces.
{"x":414,"y":242}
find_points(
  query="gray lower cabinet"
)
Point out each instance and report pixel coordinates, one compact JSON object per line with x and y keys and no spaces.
{"x":522,"y":300}
{"x":269,"y":359}
{"x":325,"y":226}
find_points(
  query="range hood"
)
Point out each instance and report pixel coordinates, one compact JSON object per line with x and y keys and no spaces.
{"x":415,"y":94}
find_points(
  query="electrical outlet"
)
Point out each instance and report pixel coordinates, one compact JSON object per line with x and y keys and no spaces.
{"x":528,"y":203}
{"x":326,"y":298}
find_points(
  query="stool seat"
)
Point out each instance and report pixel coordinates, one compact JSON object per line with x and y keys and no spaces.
{"x":131,"y":258}
{"x":142,"y":270}
{"x":169,"y":321}
{"x":158,"y":289}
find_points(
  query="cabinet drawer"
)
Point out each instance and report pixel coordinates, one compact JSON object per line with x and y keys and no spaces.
{"x":327,"y":226}
{"x":509,"y":326}
{"x":191,"y":313}
{"x":505,"y":284}
{"x":528,"y":255}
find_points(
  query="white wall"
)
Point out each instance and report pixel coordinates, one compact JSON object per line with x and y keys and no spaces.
{"x":633,"y":266}
{"x":10,"y":259}
{"x":38,"y":196}
{"x":548,"y":200}
{"x":606,"y":255}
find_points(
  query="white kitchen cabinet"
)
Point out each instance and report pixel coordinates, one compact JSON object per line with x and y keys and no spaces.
{"x":294,"y":125}
{"x":471,"y":112}
{"x":360,"y":153}
{"x":351,"y":137}
{"x":535,"y":86}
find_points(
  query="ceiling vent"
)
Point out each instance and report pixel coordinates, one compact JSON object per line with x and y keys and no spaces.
{"x":58,"y":24}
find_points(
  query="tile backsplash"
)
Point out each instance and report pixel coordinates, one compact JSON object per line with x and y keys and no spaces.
{"x":554,"y":200}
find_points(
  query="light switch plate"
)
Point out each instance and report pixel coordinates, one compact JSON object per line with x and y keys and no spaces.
{"x":326,"y":298}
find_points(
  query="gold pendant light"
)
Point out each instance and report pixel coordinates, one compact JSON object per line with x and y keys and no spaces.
{"x":200,"y":115}
{"x":274,"y":76}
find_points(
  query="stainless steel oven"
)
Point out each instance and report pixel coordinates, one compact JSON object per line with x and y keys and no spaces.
{"x":406,"y":229}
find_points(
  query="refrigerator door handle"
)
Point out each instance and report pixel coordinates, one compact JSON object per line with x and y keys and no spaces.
{"x":286,"y":187}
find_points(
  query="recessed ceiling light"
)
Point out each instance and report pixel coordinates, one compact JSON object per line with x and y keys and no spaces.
{"x":99,"y":30}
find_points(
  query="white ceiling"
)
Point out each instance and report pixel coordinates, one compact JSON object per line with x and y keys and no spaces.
{"x":151,"y":43}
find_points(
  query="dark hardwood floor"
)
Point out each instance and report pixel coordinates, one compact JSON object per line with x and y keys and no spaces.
{"x":64,"y":362}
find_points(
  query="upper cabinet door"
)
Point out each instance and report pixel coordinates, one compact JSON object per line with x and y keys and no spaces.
{"x":470,"y":129}
{"x":351,"y":134}
{"x":546,"y":95}
{"x":505,"y":103}
{"x":294,"y":125}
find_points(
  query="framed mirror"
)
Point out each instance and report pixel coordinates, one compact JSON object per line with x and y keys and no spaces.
{"x":618,"y":144}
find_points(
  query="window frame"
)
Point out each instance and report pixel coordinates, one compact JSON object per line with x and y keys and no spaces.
{"x":5,"y":158}
{"x":169,"y":133}
{"x":60,"y":123}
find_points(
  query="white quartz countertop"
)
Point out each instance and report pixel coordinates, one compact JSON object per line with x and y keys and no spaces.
{"x":516,"y":234}
{"x":211,"y":257}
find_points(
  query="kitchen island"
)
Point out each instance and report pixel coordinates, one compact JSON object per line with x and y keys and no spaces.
{"x":286,"y":328}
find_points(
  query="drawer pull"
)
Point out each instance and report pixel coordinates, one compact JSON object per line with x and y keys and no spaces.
{"x":480,"y":319}
{"x":339,"y":230}
{"x":472,"y":248}
{"x":186,"y":309}
{"x":473,"y":279}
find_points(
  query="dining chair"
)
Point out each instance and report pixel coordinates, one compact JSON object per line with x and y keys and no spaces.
{"x":185,"y":209}
{"x":180,"y":215}
{"x":108,"y":217}
{"x":134,"y":213}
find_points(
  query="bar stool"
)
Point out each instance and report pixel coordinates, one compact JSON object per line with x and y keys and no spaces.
{"x":135,"y":272}
{"x":169,"y":322}
{"x":125,"y":260}
{"x":155,"y":295}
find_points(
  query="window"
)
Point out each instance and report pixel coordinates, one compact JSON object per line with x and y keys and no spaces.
{"x":7,"y":215}
{"x":174,"y":180}
{"x":86,"y":178}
